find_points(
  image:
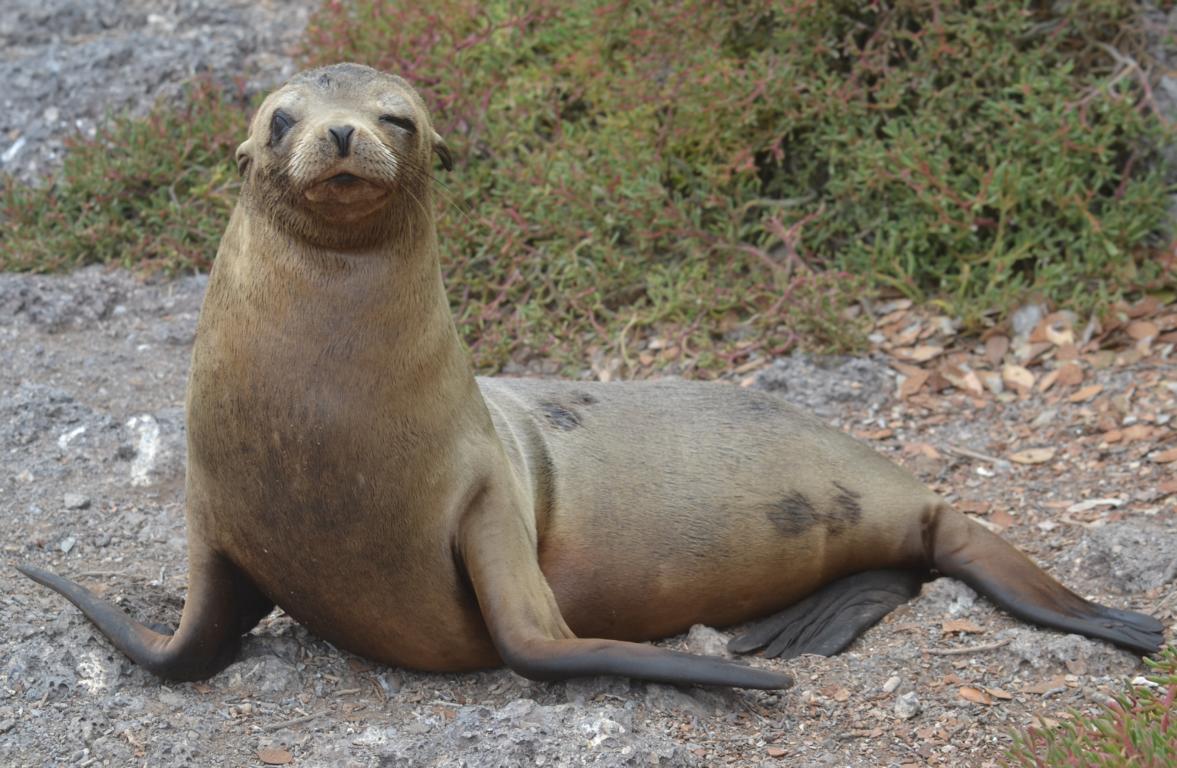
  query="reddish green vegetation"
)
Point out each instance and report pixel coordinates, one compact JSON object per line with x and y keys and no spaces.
{"x":638,"y":165}
{"x":152,"y":192}
{"x":1138,"y":730}
{"x":727,"y":176}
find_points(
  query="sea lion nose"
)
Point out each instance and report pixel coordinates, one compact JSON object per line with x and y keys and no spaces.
{"x":342,"y":135}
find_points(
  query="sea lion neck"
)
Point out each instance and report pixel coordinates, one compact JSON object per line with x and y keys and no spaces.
{"x":382,"y":302}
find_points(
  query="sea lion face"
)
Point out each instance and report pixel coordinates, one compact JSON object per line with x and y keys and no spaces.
{"x":339,"y":150}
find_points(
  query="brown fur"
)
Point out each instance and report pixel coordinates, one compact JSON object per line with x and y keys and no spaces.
{"x":345,"y":464}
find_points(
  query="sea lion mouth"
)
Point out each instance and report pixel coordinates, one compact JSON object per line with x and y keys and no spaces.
{"x":344,"y":178}
{"x":345,"y":188}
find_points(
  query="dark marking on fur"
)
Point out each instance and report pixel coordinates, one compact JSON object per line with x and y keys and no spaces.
{"x":793,"y":515}
{"x":847,"y":510}
{"x":759,"y":406}
{"x":583,"y":398}
{"x":560,"y":417}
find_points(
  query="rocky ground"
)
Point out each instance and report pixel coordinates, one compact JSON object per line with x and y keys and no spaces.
{"x":92,"y":375}
{"x":67,"y":64}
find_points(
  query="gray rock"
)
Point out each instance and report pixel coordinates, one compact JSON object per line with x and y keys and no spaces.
{"x":819,"y":384}
{"x":1026,"y":318}
{"x":75,"y":501}
{"x":948,"y":596}
{"x":1045,"y":649}
{"x":707,"y":641}
{"x":1138,"y":556}
{"x":265,"y":675}
{"x":907,"y":706}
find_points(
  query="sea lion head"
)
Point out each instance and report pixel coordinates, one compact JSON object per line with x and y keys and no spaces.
{"x":341,"y":155}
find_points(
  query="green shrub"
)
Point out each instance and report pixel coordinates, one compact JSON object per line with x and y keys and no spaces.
{"x":153,"y":191}
{"x":666,"y":164}
{"x":1138,"y":730}
{"x":727,"y":176}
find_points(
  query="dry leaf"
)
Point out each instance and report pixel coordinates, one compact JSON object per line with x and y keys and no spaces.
{"x":960,"y":625}
{"x":1070,"y":374}
{"x":1086,"y":393}
{"x":995,"y":348}
{"x":1147,"y":306}
{"x":1033,"y":456}
{"x":962,"y":378}
{"x":923,"y":449}
{"x":1054,"y":683}
{"x":1017,"y":377}
{"x":1165,"y":457}
{"x":1137,"y":432}
{"x":1057,"y":329}
{"x":992,"y":381}
{"x":975,"y":695}
{"x":776,"y":752}
{"x":912,"y":383}
{"x":905,"y":369}
{"x":1002,"y":518}
{"x":999,"y":693}
{"x":1167,"y":487}
{"x":1047,"y":381}
{"x":274,"y":756}
{"x":1142,"y":329}
{"x":1031,"y":352}
{"x":920,"y":354}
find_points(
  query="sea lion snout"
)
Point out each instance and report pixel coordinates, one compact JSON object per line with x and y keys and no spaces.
{"x":342,"y":134}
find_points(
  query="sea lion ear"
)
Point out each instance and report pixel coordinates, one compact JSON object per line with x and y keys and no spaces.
{"x":443,"y":151}
{"x":243,"y":156}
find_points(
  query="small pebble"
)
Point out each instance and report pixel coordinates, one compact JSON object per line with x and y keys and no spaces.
{"x":907,"y":706}
{"x":67,"y":544}
{"x":76,"y":501}
{"x":891,"y":684}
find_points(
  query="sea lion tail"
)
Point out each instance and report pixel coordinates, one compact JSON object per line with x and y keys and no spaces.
{"x":210,"y":628}
{"x":962,"y":548}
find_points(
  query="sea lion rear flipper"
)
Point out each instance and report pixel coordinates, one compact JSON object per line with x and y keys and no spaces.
{"x":828,"y":620}
{"x":222,"y":604}
{"x":963,"y":549}
{"x":532,"y":638}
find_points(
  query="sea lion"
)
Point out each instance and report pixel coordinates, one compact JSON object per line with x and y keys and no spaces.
{"x":345,"y":464}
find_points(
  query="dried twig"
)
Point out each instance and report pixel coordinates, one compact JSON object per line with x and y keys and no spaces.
{"x":970,"y":649}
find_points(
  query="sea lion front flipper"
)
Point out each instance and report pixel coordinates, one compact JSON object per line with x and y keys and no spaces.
{"x":499,"y":554}
{"x":828,"y":620}
{"x":222,"y":605}
{"x":963,"y":549}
